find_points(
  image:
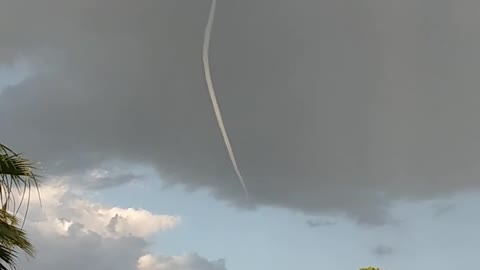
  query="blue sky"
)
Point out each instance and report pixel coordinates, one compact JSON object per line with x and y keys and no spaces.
{"x":432,"y":235}
{"x":13,"y":74}
{"x":258,"y":239}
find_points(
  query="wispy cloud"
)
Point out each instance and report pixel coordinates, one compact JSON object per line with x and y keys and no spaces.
{"x":382,"y":250}
{"x":320,"y":223}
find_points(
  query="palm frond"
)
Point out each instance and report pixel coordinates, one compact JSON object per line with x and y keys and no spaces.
{"x":7,"y":258}
{"x":17,"y":178}
{"x":12,"y":238}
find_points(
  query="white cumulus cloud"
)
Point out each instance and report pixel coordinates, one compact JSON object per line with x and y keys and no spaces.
{"x":62,"y":208}
{"x":71,"y":231}
{"x":185,"y":262}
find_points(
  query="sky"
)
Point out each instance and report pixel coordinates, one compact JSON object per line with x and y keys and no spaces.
{"x":354,"y":123}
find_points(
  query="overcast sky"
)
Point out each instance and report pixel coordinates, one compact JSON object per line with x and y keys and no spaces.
{"x":355,"y":124}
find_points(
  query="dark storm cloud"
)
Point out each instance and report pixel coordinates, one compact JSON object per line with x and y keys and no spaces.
{"x":331,"y":105}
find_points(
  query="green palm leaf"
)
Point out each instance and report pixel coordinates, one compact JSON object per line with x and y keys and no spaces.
{"x":17,"y":178}
{"x":12,"y":238}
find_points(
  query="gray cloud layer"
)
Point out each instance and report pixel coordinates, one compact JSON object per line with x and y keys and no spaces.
{"x":331,"y":105}
{"x":78,"y":250}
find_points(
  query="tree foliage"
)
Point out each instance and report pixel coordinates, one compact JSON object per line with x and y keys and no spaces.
{"x":17,"y":179}
{"x":12,"y":238}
